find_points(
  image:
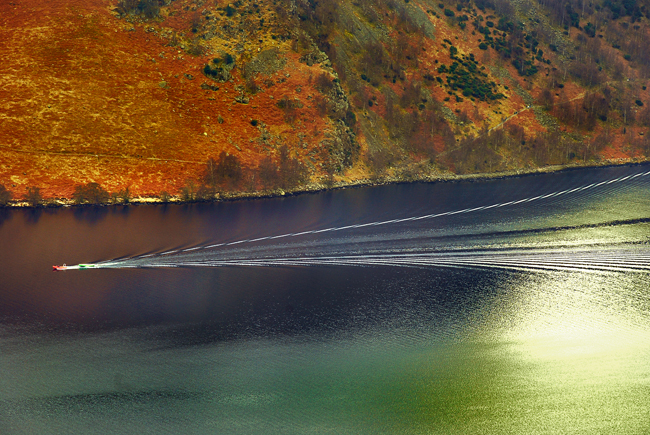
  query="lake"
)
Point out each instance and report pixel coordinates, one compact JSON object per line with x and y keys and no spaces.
{"x":516,"y":305}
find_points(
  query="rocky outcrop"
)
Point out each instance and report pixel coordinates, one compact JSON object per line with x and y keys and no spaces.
{"x":266,"y":62}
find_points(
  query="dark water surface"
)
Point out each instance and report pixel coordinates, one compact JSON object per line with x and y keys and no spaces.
{"x":518,"y":305}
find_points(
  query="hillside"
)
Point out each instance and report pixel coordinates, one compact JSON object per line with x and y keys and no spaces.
{"x":209,"y":98}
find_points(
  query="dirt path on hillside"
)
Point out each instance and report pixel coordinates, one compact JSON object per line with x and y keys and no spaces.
{"x":98,"y":156}
{"x":530,"y":107}
{"x":533,"y":106}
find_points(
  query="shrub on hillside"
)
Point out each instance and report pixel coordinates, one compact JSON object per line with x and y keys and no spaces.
{"x":148,"y":8}
{"x":350,"y":119}
{"x":205,"y":193}
{"x":524,"y":67}
{"x":576,"y":115}
{"x":546,"y":99}
{"x":5,"y":195}
{"x":188,"y":192}
{"x":289,"y":106}
{"x":164,"y":196}
{"x":376,"y":64}
{"x":411,"y":94}
{"x":123,"y":196}
{"x":465,"y":75}
{"x":324,"y":83}
{"x":225,"y":173}
{"x":597,"y":104}
{"x":221,"y":69}
{"x":91,"y":193}
{"x":268,"y":173}
{"x":251,"y":86}
{"x":475,"y":155}
{"x":196,"y":48}
{"x":291,"y":171}
{"x":34,"y":197}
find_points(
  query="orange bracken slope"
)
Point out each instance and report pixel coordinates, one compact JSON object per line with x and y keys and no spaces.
{"x":86,"y":96}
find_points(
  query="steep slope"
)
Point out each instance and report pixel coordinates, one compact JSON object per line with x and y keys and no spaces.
{"x":90,"y":96}
{"x":515,"y":89}
{"x":203,"y":98}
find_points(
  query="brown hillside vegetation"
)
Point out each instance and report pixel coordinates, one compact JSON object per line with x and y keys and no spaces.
{"x":198,"y":98}
{"x":90,"y":97}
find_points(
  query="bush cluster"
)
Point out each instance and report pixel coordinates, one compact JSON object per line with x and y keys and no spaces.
{"x":228,"y":174}
{"x":290,"y":108}
{"x":5,"y":195}
{"x":148,"y":8}
{"x":91,"y":193}
{"x":220,"y":68}
{"x":465,"y":75}
{"x":511,"y":42}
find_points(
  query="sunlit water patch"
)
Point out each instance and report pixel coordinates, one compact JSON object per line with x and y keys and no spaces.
{"x":509,"y":306}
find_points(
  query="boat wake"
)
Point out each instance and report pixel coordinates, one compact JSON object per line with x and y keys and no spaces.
{"x":410,"y":244}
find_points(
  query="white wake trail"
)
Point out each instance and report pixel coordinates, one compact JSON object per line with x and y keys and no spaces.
{"x":636,"y":260}
{"x":416,"y":218}
{"x":615,"y":262}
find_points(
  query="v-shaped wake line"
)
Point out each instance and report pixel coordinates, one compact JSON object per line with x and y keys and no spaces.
{"x":409,"y":219}
{"x":171,"y":258}
{"x":635,"y":260}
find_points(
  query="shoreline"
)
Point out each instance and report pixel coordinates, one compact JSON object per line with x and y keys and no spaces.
{"x":317,"y":188}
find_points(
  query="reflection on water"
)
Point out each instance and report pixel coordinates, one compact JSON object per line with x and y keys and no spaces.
{"x":540,"y":378}
{"x":335,"y":349}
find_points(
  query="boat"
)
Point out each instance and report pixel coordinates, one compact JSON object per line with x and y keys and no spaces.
{"x":86,"y":266}
{"x":64,"y":267}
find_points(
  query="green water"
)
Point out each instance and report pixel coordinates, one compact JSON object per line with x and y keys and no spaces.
{"x":547,"y":353}
{"x":335,"y":349}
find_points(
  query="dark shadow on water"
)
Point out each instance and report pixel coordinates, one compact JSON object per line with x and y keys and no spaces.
{"x":91,"y":215}
{"x":122,"y":210}
{"x":163,"y":208}
{"x":33,"y":215}
{"x":5,"y":215}
{"x":190,"y":209}
{"x":315,"y":302}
